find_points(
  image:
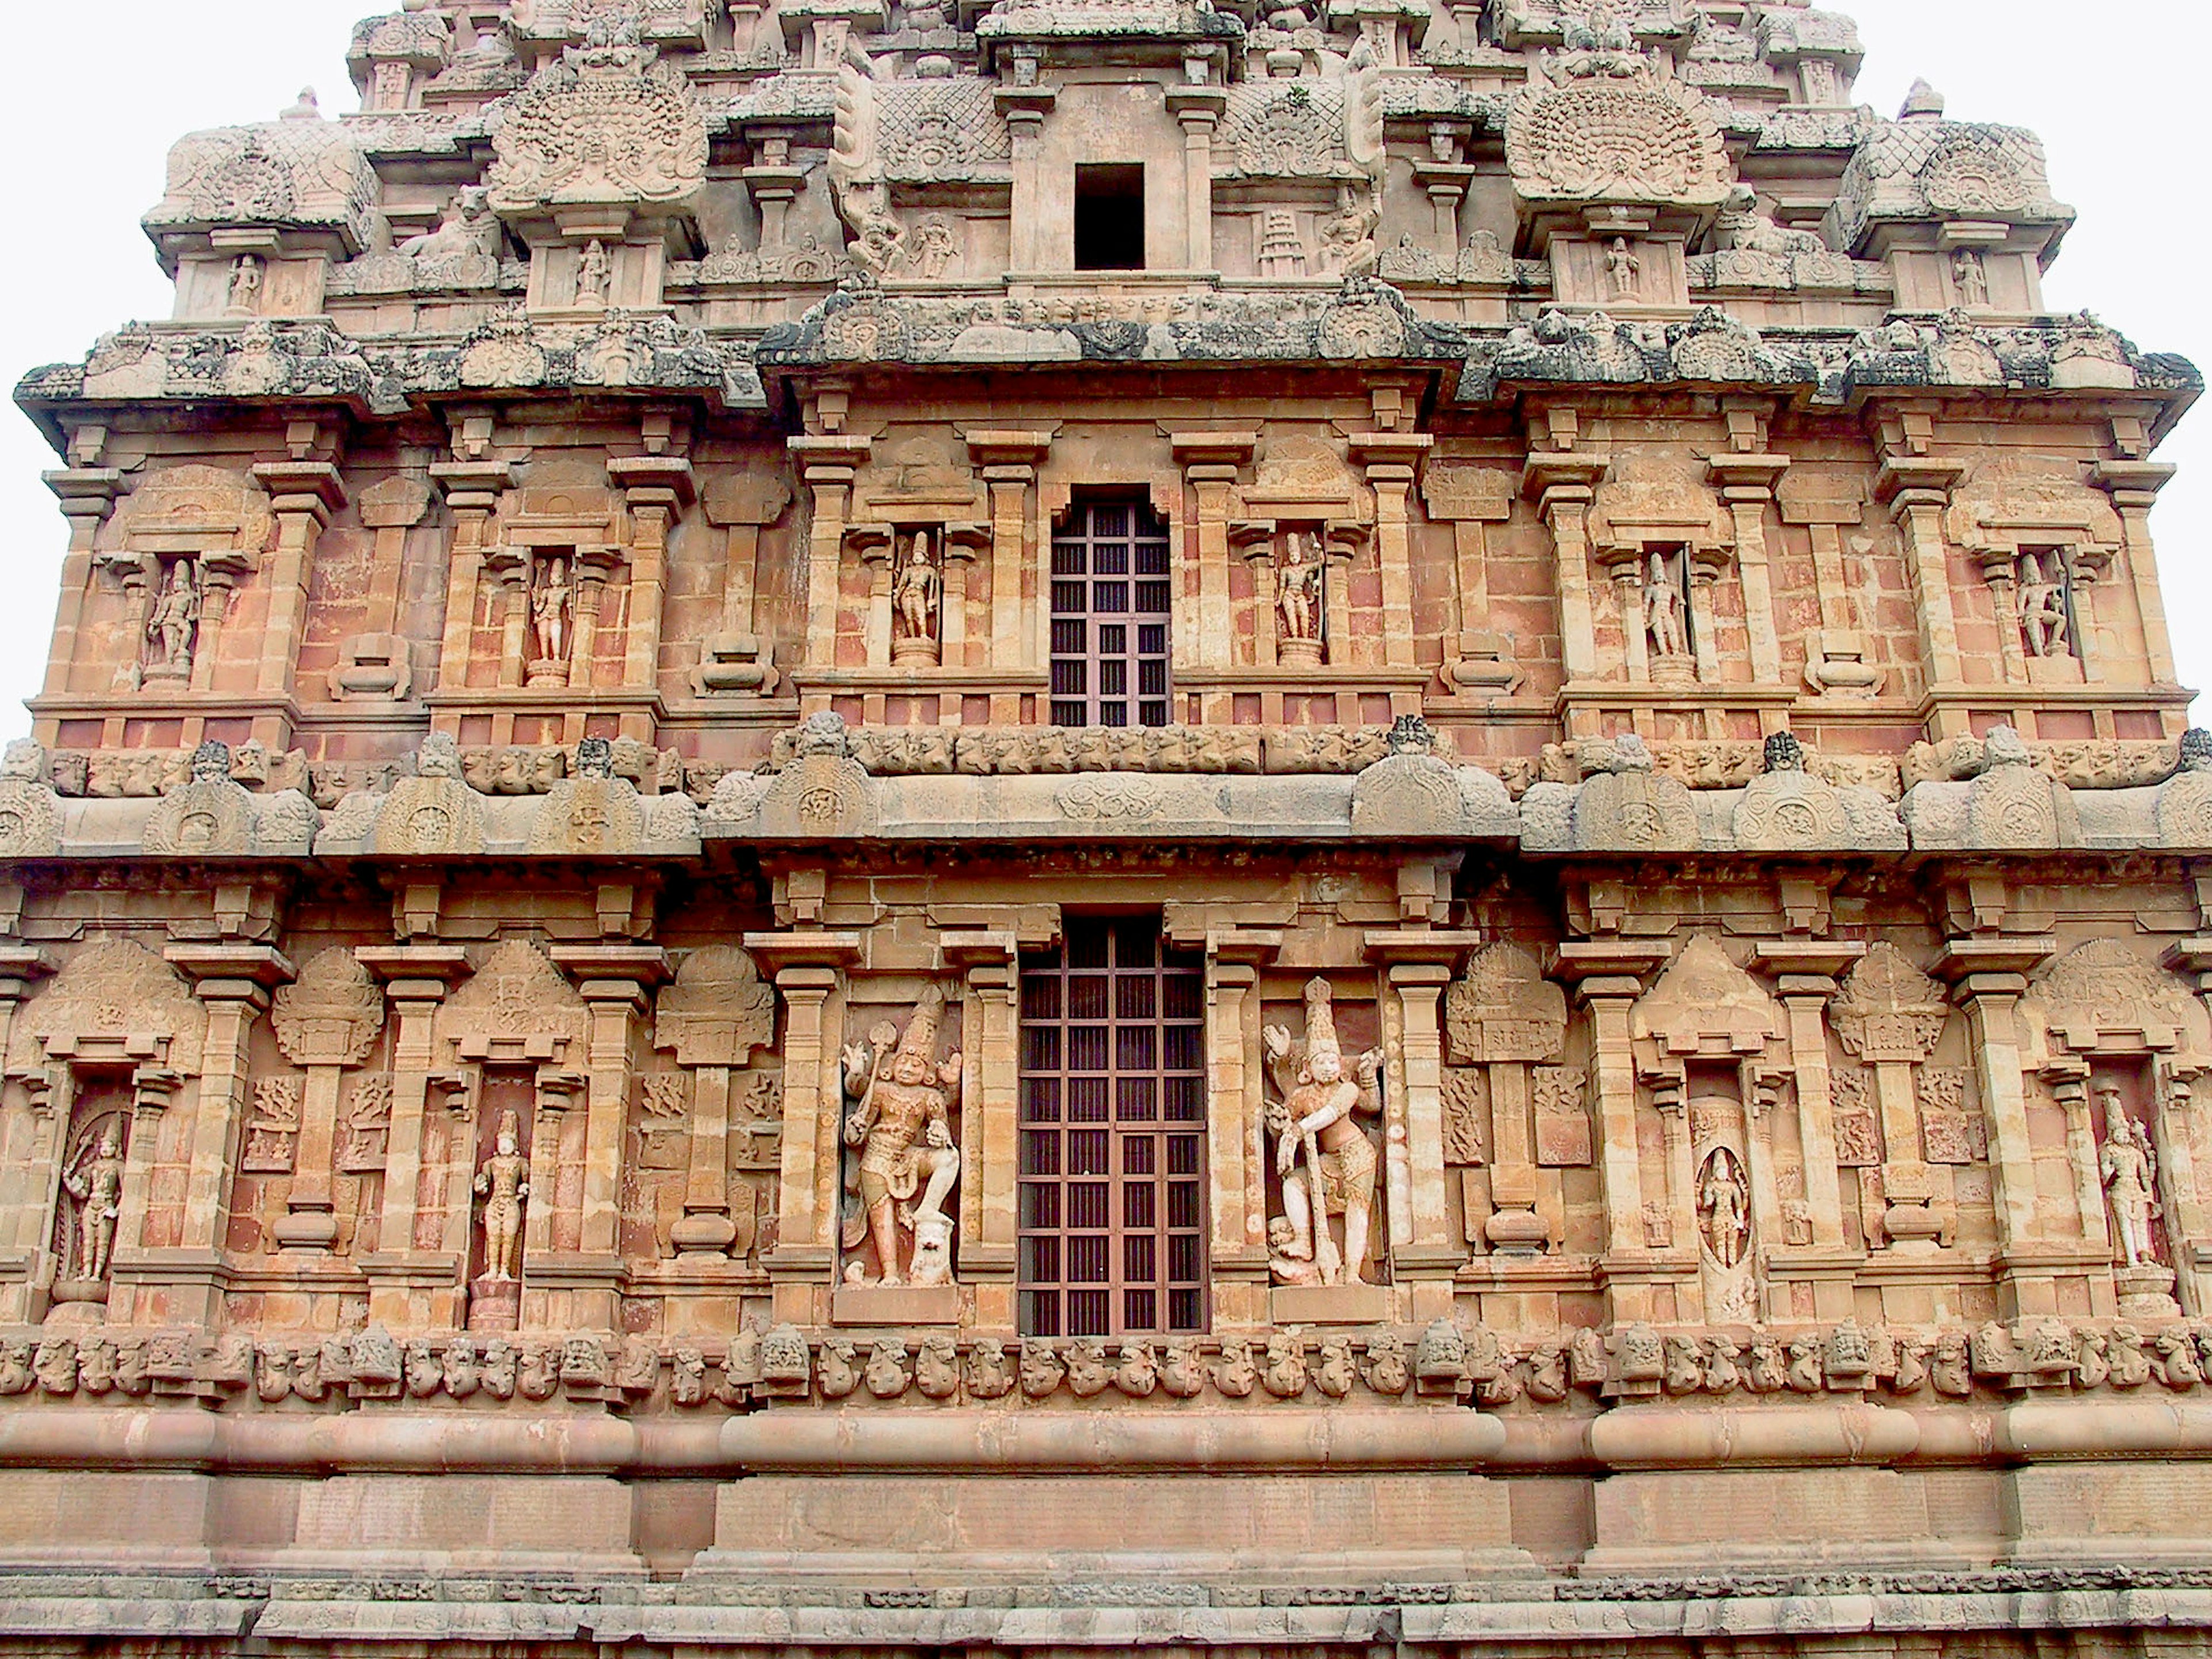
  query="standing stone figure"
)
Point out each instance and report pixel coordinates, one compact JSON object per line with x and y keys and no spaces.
{"x":1626,"y":269}
{"x":1662,"y":611}
{"x":2130,"y":1172}
{"x":591,"y":275}
{"x":2043,"y":620}
{"x":1299,"y":587}
{"x":503,"y":1183}
{"x":245,"y":286}
{"x":96,"y":1184}
{"x":1972,"y":276}
{"x":548,"y":613}
{"x":916,"y":597}
{"x":175,"y":619}
{"x":901,"y":1121}
{"x":1315,"y":1119}
{"x":1724,"y":1207}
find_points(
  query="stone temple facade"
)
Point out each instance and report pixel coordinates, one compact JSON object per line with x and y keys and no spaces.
{"x":1288,"y":826}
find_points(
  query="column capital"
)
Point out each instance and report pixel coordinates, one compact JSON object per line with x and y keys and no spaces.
{"x":1196,"y":449}
{"x":414,"y":973}
{"x":1608,"y":968}
{"x":1995,"y":965}
{"x":231,"y":973}
{"x":779,"y":953}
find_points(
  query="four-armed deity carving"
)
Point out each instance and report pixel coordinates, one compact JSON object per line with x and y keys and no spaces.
{"x":900,"y":1122}
{"x":1327,"y":1164}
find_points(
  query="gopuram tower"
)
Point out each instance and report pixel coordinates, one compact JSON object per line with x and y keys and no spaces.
{"x":1291,"y":828}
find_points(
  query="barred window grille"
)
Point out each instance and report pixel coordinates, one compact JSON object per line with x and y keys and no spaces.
{"x":1113,"y":1134}
{"x":1110,"y":606}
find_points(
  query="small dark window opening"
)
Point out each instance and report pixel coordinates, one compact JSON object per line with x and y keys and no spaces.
{"x":1110,"y":217}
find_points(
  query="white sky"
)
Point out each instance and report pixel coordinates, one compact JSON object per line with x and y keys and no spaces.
{"x":98,"y":95}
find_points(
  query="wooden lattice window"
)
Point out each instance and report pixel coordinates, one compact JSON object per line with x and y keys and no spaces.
{"x":1113,"y":1171}
{"x":1109,"y":617}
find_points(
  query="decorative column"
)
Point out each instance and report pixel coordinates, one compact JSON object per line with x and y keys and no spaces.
{"x":233,"y":981}
{"x":1025,"y":104}
{"x":1805,"y":972}
{"x":27,"y":1139}
{"x":1746,"y":485}
{"x":878,"y":547}
{"x":615,"y":981}
{"x":962,"y":541}
{"x":303,"y":495}
{"x":1416,"y":966}
{"x":1625,"y":563}
{"x":87,"y":497}
{"x":1210,"y":463}
{"x":1009,"y":462}
{"x":656,"y":489}
{"x":1197,"y":109}
{"x":1393,"y":463}
{"x":2134,"y":486}
{"x":590,"y":572}
{"x":1255,"y":539}
{"x":1341,"y":541}
{"x":410,"y":1288}
{"x":1607,"y":976}
{"x":513,"y":570}
{"x":1563,"y":486}
{"x":473,"y":488}
{"x":828,"y":464}
{"x":1236,"y":1139}
{"x":808,"y":968}
{"x":1705,"y":567}
{"x":990,"y":1117}
{"x":1988,"y":976}
{"x":1917,"y":489}
{"x":220,"y":574}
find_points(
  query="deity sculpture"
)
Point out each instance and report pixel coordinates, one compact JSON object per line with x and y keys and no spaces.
{"x":2129,"y":1167}
{"x":1972,"y":274}
{"x":96,"y":1184}
{"x":503,"y":1183}
{"x":1298,"y":589}
{"x":245,"y":285}
{"x":175,"y":620}
{"x":1663,"y":615}
{"x":591,"y":275}
{"x":902,"y":1122}
{"x":549,"y":613}
{"x":1724,"y":1207}
{"x":917,"y":590}
{"x":1316,"y":1120}
{"x":934,"y":249}
{"x":2043,"y":622}
{"x":1624,"y":268}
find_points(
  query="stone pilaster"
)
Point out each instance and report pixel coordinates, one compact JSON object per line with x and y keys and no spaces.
{"x":808,"y":968}
{"x":411,"y":1287}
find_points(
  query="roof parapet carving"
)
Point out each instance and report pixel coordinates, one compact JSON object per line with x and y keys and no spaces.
{"x":299,"y":172}
{"x":1601,"y":124}
{"x":1922,"y":167}
{"x":1171,"y":21}
{"x":608,"y":126}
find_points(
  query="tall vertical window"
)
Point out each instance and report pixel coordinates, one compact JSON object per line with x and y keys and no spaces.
{"x":1109,"y":617}
{"x":1113,"y":1158}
